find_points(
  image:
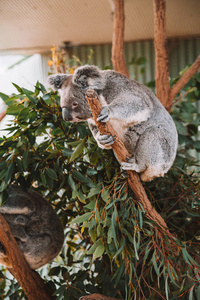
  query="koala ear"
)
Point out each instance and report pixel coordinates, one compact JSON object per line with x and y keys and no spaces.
{"x":89,"y":76}
{"x":56,"y":81}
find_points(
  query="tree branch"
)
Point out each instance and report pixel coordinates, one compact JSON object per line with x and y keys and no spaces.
{"x":2,"y":115}
{"x":161,"y":54}
{"x":30,"y":281}
{"x":122,"y":154}
{"x":177,"y":87}
{"x":118,"y":60}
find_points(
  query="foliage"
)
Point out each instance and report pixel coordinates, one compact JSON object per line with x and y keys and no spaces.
{"x":110,"y":246}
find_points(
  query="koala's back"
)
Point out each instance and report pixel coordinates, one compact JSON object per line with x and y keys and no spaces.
{"x":34,"y":224}
{"x":151,"y":140}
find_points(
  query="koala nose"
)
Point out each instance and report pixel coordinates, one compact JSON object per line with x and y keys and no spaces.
{"x":66,"y":114}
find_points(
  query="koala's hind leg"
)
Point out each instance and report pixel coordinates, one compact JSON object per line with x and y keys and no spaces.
{"x":152,"y":155}
{"x":131,"y":164}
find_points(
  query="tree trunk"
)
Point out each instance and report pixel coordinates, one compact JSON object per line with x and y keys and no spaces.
{"x":161,"y":54}
{"x":118,"y":60}
{"x":30,"y":281}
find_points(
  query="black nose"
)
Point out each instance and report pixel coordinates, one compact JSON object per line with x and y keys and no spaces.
{"x":66,"y":114}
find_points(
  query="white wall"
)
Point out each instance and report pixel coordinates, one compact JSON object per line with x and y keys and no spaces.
{"x":24,"y":74}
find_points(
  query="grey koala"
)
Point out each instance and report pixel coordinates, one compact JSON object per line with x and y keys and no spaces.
{"x":140,"y":120}
{"x":35,"y":226}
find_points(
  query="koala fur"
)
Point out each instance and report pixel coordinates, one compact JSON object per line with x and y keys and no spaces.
{"x":35,"y":226}
{"x":140,"y":120}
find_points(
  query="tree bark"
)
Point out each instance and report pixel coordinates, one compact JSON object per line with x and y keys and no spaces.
{"x":118,"y":60}
{"x":2,"y":115}
{"x":161,"y":53}
{"x":96,"y":297}
{"x":30,"y":281}
{"x":122,"y":154}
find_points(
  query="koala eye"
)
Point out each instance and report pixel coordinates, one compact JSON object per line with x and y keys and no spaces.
{"x":74,"y":104}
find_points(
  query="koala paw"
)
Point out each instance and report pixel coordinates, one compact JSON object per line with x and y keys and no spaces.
{"x":104,"y":114}
{"x":105,"y":140}
{"x":131,"y":165}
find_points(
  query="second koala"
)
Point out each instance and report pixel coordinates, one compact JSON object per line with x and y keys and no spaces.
{"x":35,"y":226}
{"x":140,"y":120}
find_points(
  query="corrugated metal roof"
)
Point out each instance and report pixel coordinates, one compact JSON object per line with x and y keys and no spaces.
{"x":38,"y":24}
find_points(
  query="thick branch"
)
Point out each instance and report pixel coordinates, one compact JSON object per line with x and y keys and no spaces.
{"x":30,"y":281}
{"x":122,"y":154}
{"x":161,"y":54}
{"x":118,"y":60}
{"x":184,"y":79}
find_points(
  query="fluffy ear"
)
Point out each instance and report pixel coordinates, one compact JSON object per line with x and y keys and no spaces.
{"x":89,"y":76}
{"x":56,"y":81}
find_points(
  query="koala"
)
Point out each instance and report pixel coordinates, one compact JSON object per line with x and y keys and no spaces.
{"x":35,"y":226}
{"x":140,"y":120}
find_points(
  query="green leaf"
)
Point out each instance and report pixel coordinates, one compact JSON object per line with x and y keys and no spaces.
{"x":4,"y":97}
{"x":93,"y":248}
{"x":9,"y":172}
{"x":155,"y":264}
{"x":99,"y":251}
{"x":135,"y":246}
{"x":167,"y":291}
{"x":29,"y":94}
{"x":51,"y":173}
{"x":18,"y":88}
{"x":25,"y":159}
{"x":76,"y":174}
{"x":113,"y":225}
{"x":105,"y":194}
{"x":3,"y":186}
{"x":185,"y":255}
{"x":43,"y":179}
{"x":188,"y":107}
{"x":82,"y":218}
{"x":78,"y":150}
{"x":67,"y":152}
{"x":141,"y":61}
{"x":121,"y":248}
{"x":14,"y":110}
{"x":71,"y":182}
{"x":94,"y":191}
{"x":196,"y":144}
{"x":3,"y":173}
{"x":93,"y":234}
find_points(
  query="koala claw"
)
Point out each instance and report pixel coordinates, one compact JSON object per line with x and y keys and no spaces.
{"x":106,"y":140}
{"x":104,"y":114}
